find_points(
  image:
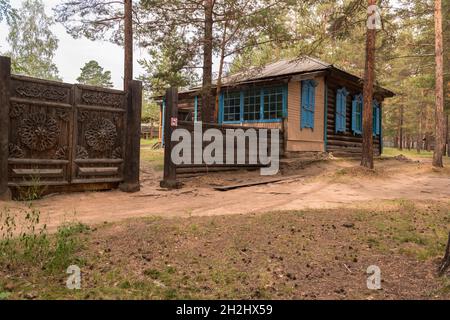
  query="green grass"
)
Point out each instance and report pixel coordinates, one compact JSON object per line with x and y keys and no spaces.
{"x":146,"y":143}
{"x":393,"y":152}
{"x":154,"y":158}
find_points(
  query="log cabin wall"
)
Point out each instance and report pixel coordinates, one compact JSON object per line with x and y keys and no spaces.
{"x":345,"y":144}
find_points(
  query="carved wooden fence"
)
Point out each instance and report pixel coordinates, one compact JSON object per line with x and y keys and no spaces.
{"x":172,"y":171}
{"x":67,"y":137}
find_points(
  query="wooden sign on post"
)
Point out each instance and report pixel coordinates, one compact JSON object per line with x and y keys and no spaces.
{"x":170,"y":124}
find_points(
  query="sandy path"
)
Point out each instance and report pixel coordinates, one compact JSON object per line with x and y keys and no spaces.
{"x":321,"y":190}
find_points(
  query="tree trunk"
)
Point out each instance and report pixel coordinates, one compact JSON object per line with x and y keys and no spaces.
{"x":207,"y":113}
{"x":219,"y":78}
{"x":419,"y":134}
{"x":439,"y":145}
{"x":447,"y":139}
{"x":128,"y":43}
{"x":369,"y":79}
{"x":400,"y":128}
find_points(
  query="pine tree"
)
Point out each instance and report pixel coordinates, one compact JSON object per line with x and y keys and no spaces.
{"x":93,"y":74}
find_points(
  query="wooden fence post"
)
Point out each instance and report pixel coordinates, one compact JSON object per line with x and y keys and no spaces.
{"x":133,"y":138}
{"x":5,"y":86}
{"x":170,"y":124}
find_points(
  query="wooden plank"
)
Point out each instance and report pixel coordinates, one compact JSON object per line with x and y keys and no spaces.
{"x":42,"y":173}
{"x":106,"y":171}
{"x":251,"y":184}
{"x":5,"y":87}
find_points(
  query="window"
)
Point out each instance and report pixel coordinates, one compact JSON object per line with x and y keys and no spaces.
{"x":232,"y":106}
{"x":308,"y":103}
{"x":252,"y":105}
{"x":357,"y":110}
{"x":341,"y":110}
{"x":273,"y":103}
{"x":376,"y":118}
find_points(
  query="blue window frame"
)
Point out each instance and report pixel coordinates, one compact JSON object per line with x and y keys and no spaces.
{"x":341,"y":110}
{"x":254,"y":105}
{"x":232,"y":107}
{"x":357,"y":111}
{"x":273,"y":103}
{"x":308,"y":104}
{"x":376,"y":118}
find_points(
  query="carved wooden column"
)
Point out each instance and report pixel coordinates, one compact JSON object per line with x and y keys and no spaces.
{"x":5,"y":79}
{"x":133,"y":138}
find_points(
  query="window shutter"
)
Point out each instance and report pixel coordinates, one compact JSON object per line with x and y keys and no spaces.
{"x":378,"y":121}
{"x":339,"y":113}
{"x":312,"y":104}
{"x":354,"y":118}
{"x":304,"y":103}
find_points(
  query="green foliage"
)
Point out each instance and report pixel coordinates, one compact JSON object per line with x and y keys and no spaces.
{"x":33,"y":44}
{"x":150,"y":112}
{"x":7,"y":12}
{"x":93,"y":74}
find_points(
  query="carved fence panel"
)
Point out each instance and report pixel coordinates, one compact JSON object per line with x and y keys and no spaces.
{"x":69,"y":137}
{"x":99,"y":135}
{"x":40,"y":132}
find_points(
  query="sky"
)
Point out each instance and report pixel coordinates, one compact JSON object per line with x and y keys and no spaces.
{"x":72,"y":54}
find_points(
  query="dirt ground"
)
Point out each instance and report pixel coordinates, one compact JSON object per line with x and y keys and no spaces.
{"x":310,"y":236}
{"x":323,"y":185}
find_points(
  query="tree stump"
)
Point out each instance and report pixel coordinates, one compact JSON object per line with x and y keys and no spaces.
{"x":446,"y":260}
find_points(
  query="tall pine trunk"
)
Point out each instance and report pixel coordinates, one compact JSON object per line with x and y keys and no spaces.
{"x":128,"y":42}
{"x":207,"y":98}
{"x":439,"y":145}
{"x":369,"y":79}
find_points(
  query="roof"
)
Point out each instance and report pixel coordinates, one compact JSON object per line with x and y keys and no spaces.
{"x":281,"y":69}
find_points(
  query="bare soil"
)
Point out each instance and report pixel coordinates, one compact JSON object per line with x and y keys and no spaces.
{"x":322,"y":185}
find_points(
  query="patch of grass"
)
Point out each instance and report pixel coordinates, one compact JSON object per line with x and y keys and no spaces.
{"x":393,"y":152}
{"x":25,"y":244}
{"x":278,"y":255}
{"x":34,"y":191}
{"x":153,"y":157}
{"x":147,"y":143}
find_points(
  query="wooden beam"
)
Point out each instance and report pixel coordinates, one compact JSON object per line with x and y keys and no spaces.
{"x":170,"y":172}
{"x":5,"y":86}
{"x":133,"y":138}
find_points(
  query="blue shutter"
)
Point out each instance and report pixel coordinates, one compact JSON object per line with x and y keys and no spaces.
{"x":378,"y":121}
{"x":354,"y":111}
{"x":338,"y":113}
{"x":308,"y":104}
{"x":312,"y":104}
{"x":341,"y":110}
{"x":305,"y":100}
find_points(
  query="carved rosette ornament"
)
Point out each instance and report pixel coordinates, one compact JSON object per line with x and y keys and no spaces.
{"x":101,"y":134}
{"x":39,"y":132}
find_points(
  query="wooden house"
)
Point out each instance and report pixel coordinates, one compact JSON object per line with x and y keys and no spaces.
{"x":317,"y":105}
